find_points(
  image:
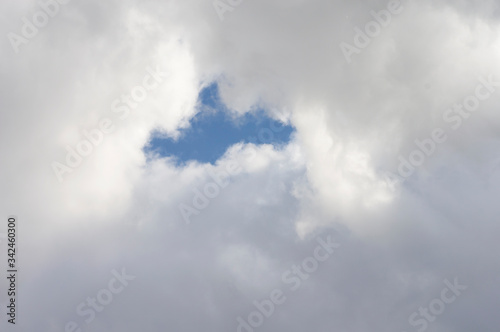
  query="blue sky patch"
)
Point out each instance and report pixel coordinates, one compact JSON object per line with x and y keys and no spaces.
{"x":213,"y":131}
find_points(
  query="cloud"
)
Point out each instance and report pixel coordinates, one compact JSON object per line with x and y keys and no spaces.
{"x":120,"y":208}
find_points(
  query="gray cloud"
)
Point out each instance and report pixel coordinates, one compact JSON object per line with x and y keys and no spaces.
{"x":119,"y":208}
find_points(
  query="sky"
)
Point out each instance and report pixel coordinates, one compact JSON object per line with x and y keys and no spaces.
{"x":213,"y":130}
{"x":266,"y":165}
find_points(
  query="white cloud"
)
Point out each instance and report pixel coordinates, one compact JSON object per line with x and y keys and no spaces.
{"x":120,"y":209}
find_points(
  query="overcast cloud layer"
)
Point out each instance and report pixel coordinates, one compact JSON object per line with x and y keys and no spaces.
{"x":404,"y":233}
